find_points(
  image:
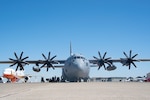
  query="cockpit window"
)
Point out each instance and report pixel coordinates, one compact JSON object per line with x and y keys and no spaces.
{"x":79,"y":57}
{"x":82,"y":58}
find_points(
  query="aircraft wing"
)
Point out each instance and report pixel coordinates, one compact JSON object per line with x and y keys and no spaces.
{"x":111,"y":61}
{"x":43,"y":61}
{"x":35,"y":62}
{"x":108,"y":63}
{"x":144,"y":59}
{"x":6,"y":62}
{"x":119,"y":60}
{"x":49,"y":61}
{"x":59,"y":66}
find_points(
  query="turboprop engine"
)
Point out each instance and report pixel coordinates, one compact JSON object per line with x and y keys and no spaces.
{"x":111,"y":67}
{"x":36,"y":69}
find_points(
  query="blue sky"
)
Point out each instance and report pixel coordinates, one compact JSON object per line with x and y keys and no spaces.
{"x":40,"y":26}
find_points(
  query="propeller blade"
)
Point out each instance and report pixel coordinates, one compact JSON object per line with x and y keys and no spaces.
{"x":99,"y":67}
{"x":134,"y":64}
{"x":24,"y":58}
{"x":125,"y":54}
{"x":17,"y":67}
{"x":107,"y":58}
{"x":47,"y":69}
{"x":53,"y":57}
{"x":16,"y":55}
{"x":99,"y":55}
{"x":95,"y":58}
{"x":13,"y":64}
{"x":12,"y":59}
{"x":44,"y":56}
{"x":49,"y":54}
{"x":129,"y":65}
{"x":104,"y":55}
{"x":130,"y":53}
{"x":43,"y":65}
{"x":134,"y":56}
{"x":21,"y":55}
{"x":104,"y":66}
{"x":52,"y":66}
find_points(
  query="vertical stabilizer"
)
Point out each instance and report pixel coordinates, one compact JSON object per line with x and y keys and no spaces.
{"x":70,"y":49}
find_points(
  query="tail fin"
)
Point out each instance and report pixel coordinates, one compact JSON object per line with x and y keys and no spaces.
{"x":70,"y":49}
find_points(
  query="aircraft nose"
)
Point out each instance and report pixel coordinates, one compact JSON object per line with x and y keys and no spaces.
{"x":78,"y":66}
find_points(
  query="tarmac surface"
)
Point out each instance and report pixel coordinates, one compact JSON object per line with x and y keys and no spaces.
{"x":75,"y":91}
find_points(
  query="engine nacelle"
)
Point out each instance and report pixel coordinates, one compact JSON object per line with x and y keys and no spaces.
{"x":124,"y":61}
{"x":37,"y":69}
{"x":111,"y":67}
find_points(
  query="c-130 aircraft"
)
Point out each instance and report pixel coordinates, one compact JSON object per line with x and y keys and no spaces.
{"x":76,"y":67}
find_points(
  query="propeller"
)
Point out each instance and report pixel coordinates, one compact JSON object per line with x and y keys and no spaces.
{"x":129,"y":59}
{"x":19,"y":61}
{"x":48,"y":62}
{"x":102,"y":60}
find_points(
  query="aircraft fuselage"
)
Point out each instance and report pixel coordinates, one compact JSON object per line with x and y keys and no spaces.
{"x":76,"y":68}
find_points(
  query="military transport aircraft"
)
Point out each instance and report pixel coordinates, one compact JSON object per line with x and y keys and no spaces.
{"x":76,"y":67}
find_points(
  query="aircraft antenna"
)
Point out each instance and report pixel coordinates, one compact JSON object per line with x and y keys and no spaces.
{"x":70,"y":49}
